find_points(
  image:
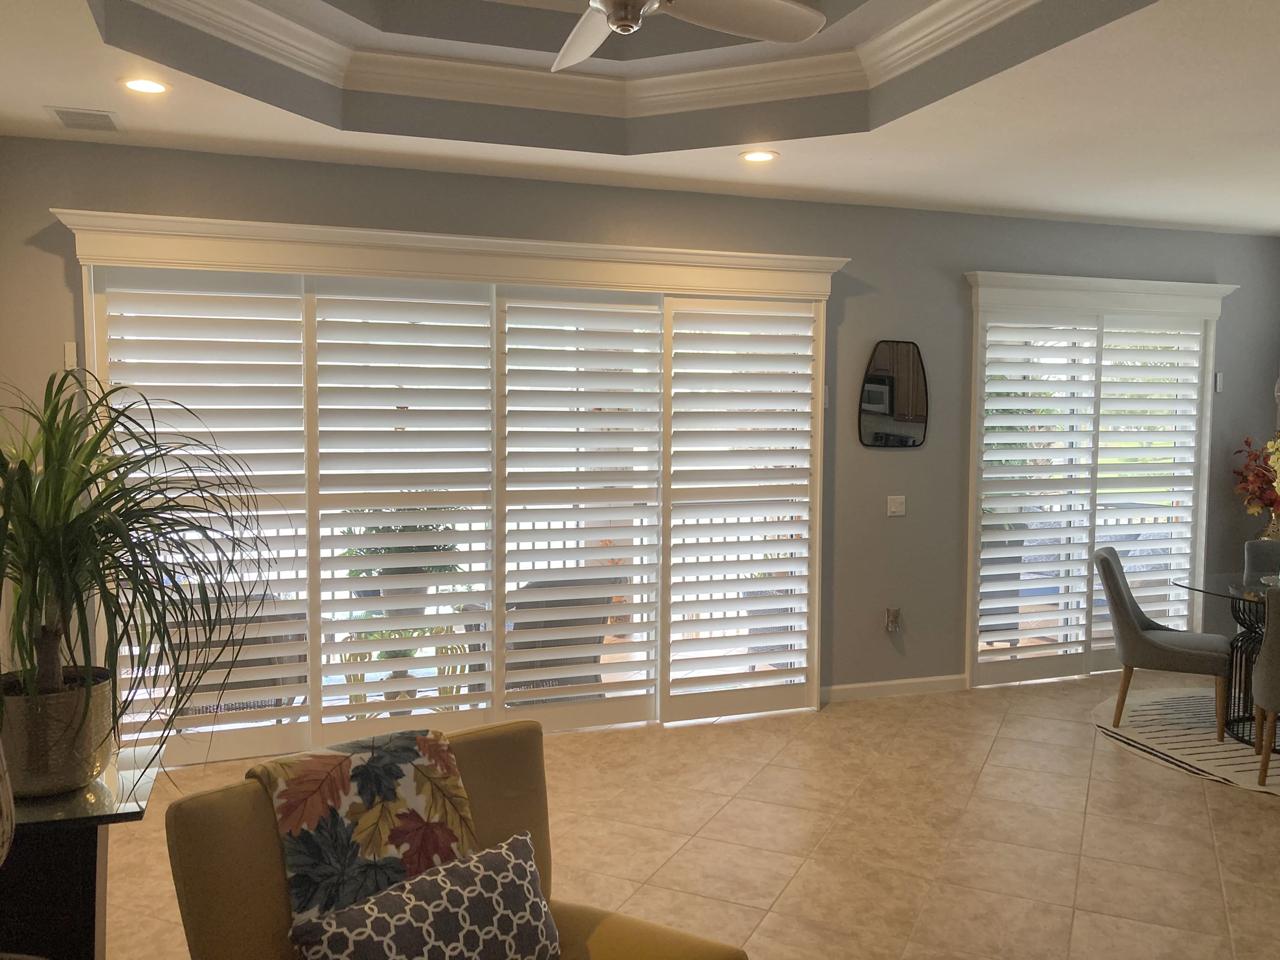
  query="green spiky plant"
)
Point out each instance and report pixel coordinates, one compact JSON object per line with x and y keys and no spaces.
{"x":111,"y":521}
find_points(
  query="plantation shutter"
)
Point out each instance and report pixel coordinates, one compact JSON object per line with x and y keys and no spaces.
{"x":582,"y":414}
{"x":405,"y":428}
{"x":1038,"y":448}
{"x":484,"y":501}
{"x":229,"y":348}
{"x":743,"y":409}
{"x":1089,"y":435}
{"x":1149,"y":422}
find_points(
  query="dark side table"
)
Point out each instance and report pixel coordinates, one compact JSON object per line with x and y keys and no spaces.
{"x":1249,"y":610}
{"x":53,"y":884}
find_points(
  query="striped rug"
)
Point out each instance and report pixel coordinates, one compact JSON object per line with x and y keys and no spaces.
{"x":1177,"y":728}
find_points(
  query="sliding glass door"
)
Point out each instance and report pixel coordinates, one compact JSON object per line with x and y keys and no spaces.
{"x":1089,"y":432}
{"x":484,"y":501}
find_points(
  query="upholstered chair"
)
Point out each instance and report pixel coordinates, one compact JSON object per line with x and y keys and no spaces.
{"x":1266,"y":687}
{"x":1261,"y":559}
{"x":229,"y":875}
{"x":1145,"y":644}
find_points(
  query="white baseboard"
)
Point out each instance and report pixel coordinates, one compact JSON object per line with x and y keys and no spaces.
{"x":893,"y":688}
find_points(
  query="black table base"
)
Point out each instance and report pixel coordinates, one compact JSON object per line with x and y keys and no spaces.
{"x":49,"y":891}
{"x":1251,"y":616}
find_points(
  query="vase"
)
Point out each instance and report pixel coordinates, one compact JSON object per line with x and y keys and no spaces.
{"x":52,"y":742}
{"x":1272,"y":531}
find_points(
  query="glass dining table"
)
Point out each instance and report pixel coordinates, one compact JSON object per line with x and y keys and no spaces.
{"x":1249,"y":610}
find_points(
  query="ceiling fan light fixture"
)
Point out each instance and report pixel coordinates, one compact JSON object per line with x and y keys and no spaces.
{"x":625,"y":17}
{"x":759,"y":156}
{"x":777,"y":21}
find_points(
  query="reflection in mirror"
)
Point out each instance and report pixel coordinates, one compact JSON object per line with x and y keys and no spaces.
{"x":894,"y":408}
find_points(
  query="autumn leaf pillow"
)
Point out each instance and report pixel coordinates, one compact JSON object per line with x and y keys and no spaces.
{"x":359,"y":817}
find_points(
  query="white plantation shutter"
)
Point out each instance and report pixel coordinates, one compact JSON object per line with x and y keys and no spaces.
{"x":741,"y":450}
{"x":1149,"y":423}
{"x":1036,"y":493}
{"x":584,"y":506}
{"x":583,"y":398}
{"x":404,"y":388}
{"x":1089,"y":434}
{"x":229,"y":347}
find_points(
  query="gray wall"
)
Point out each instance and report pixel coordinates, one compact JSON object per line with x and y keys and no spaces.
{"x":905,"y":281}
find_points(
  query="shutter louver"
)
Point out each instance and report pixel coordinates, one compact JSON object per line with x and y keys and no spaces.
{"x":229,"y":348}
{"x":582,"y":414}
{"x":742,"y":408}
{"x":405,"y":466}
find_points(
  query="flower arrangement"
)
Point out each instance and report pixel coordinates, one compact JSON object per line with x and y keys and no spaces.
{"x":1257,"y":482}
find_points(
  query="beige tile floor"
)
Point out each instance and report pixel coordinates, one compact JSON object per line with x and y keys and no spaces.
{"x":987,"y":825}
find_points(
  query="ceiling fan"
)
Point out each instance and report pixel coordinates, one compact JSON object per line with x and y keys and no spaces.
{"x":782,"y":21}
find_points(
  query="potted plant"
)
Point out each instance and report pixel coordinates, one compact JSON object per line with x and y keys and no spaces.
{"x":130,"y":561}
{"x":1257,"y":484}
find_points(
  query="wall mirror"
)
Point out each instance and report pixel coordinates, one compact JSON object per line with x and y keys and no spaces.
{"x":894,"y":409}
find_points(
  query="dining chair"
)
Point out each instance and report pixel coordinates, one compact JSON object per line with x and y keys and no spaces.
{"x":1261,"y":559}
{"x":1266,"y":687}
{"x":1143,"y":643}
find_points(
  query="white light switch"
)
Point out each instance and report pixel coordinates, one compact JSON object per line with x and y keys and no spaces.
{"x":897,"y":507}
{"x":69,"y":359}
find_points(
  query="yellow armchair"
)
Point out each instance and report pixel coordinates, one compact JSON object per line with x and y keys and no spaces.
{"x":228,"y":864}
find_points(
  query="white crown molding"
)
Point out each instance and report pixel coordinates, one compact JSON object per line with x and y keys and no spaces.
{"x":840,"y":72}
{"x":258,"y":30}
{"x":932,"y":31}
{"x":439,"y":79}
{"x":1169,"y":298}
{"x":417,"y":76}
{"x":130,"y":239}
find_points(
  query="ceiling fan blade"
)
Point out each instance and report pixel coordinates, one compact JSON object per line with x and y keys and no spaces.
{"x":591,"y":32}
{"x":782,"y":21}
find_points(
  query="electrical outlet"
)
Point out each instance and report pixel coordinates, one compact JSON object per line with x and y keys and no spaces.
{"x":896,"y":506}
{"x":893,"y":619}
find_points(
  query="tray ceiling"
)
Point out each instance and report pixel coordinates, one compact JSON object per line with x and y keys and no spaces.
{"x":477,"y":70}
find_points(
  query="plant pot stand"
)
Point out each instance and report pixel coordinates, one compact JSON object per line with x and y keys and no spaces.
{"x":53,"y":885}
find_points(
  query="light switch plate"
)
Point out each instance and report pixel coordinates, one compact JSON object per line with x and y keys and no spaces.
{"x":69,"y":359}
{"x":896,"y":506}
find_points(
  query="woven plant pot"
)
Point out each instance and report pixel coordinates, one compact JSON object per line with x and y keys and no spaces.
{"x":51,"y":743}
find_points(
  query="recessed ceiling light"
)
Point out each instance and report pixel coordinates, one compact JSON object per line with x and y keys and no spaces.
{"x":759,"y":156}
{"x":145,"y":86}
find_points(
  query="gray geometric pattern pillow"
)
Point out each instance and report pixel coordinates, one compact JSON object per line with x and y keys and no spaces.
{"x":486,"y":907}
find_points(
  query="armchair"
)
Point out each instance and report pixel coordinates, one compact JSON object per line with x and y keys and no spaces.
{"x":228,"y":865}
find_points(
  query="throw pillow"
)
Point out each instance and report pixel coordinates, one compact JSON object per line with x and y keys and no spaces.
{"x":486,"y":907}
{"x":358,"y":817}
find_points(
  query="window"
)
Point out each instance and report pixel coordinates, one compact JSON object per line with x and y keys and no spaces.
{"x":1090,"y":419}
{"x":584,"y":502}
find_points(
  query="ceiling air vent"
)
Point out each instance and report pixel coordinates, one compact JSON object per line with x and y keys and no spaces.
{"x":76,"y":119}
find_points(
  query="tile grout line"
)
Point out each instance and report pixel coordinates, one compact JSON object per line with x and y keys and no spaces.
{"x":1222,"y":881}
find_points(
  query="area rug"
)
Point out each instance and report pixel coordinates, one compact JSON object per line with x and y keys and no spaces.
{"x":1178,"y":729}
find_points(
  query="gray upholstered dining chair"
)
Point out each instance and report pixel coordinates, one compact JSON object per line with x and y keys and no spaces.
{"x":1143,"y":643}
{"x":1261,"y":559}
{"x":1266,"y":687}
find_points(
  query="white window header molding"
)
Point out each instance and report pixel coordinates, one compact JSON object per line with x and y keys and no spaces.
{"x":130,"y":239}
{"x":1097,"y":294}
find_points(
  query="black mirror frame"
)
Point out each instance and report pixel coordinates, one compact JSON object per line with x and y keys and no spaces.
{"x":924,"y":376}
